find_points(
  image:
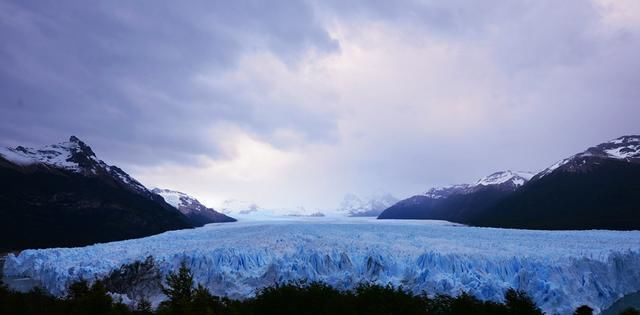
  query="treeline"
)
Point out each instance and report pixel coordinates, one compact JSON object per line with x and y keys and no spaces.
{"x":183,"y":297}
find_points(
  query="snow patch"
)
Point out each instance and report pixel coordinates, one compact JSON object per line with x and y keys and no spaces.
{"x":172,"y":197}
{"x":56,"y":155}
{"x":517,"y":178}
{"x":625,"y":152}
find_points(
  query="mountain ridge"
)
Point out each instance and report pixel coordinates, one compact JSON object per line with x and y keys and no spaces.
{"x":63,"y":195}
{"x":457,"y":202}
{"x":597,"y":188}
{"x":594,"y":189}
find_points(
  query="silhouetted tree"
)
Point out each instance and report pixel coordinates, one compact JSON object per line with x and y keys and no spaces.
{"x":518,"y":302}
{"x":143,"y":307}
{"x":179,"y":291}
{"x":583,"y":310}
{"x":630,"y":311}
{"x":293,"y":298}
{"x":204,"y":303}
{"x":85,"y":299}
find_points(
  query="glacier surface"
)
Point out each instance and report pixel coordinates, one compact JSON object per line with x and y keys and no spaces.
{"x":559,"y":269}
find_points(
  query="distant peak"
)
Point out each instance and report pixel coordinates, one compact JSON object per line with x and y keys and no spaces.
{"x":74,"y":139}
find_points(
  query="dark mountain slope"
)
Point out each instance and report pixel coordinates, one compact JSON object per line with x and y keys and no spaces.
{"x":457,"y":203}
{"x":456,"y":208}
{"x":604,"y":194}
{"x":598,"y":188}
{"x":62,"y":195}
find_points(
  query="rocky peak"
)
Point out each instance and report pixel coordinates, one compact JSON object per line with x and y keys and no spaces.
{"x":80,"y":147}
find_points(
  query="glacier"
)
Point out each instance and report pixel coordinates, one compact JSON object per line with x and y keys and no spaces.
{"x":560,"y":270}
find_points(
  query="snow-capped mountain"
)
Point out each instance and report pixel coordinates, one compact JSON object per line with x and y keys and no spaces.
{"x":73,"y":156}
{"x":63,"y":195}
{"x":197,"y":213}
{"x":354,"y":206}
{"x":560,"y":270}
{"x":594,"y":189}
{"x":505,"y":180}
{"x":625,"y":148}
{"x":460,"y":202}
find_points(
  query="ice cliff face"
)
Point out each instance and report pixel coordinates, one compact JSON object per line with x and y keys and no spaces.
{"x":560,"y":270}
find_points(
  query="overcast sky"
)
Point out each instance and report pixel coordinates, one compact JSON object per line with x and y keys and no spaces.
{"x":295,"y":103}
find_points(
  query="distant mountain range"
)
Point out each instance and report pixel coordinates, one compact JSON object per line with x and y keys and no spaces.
{"x":239,"y":207}
{"x":62,"y":195}
{"x":458,"y":203}
{"x":595,"y":189}
{"x":354,"y":206}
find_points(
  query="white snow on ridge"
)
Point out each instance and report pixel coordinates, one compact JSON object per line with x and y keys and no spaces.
{"x":517,"y":178}
{"x":559,"y":269}
{"x":15,"y":157}
{"x":446,"y":191}
{"x":56,"y":155}
{"x":623,"y":148}
{"x":625,"y":152}
{"x":72,"y":155}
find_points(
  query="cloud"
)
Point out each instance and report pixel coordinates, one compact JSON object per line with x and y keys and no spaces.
{"x":118,"y":72}
{"x":295,"y":103}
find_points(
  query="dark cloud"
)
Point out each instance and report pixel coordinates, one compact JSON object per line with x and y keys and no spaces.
{"x":120,"y":73}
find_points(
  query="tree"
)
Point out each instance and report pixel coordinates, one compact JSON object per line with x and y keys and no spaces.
{"x":630,"y":311}
{"x":518,"y":302}
{"x":204,"y":303}
{"x":143,"y":307}
{"x":85,"y":299}
{"x":179,"y":291}
{"x":583,"y":310}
